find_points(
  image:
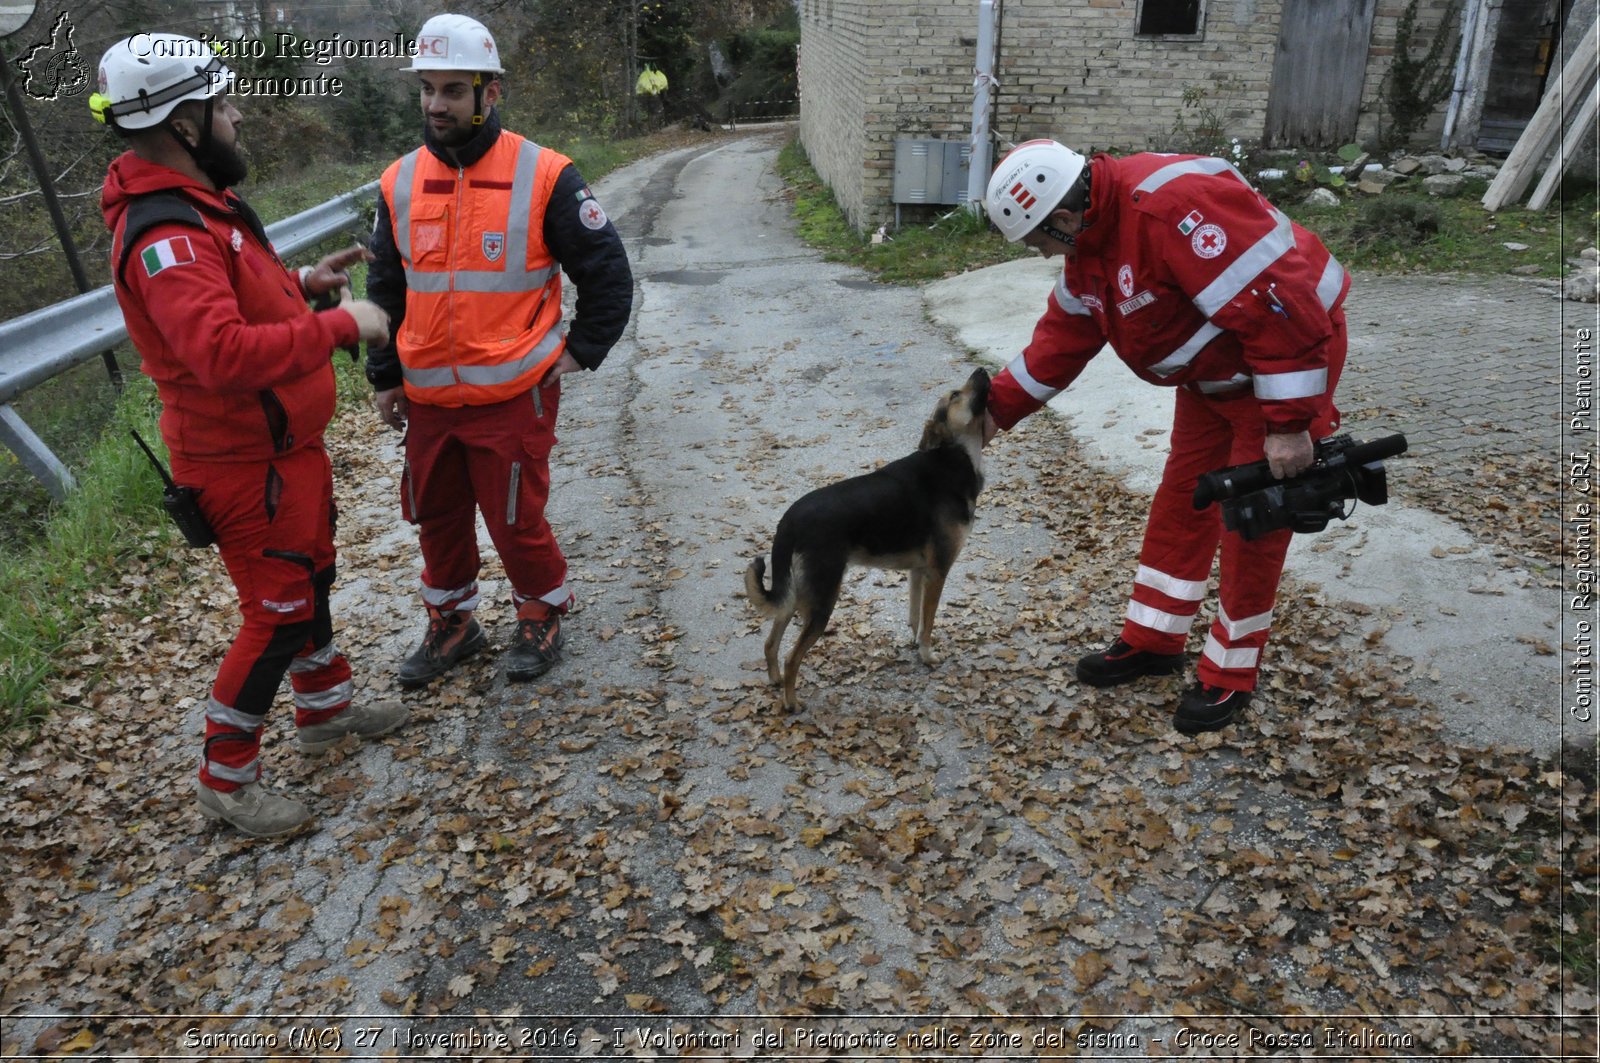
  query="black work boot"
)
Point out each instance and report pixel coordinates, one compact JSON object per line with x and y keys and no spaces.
{"x":1122,"y":663}
{"x":537,"y":646}
{"x":1208,"y":708}
{"x":452,"y":637}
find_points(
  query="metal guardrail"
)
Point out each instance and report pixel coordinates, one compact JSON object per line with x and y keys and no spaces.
{"x":40,"y":345}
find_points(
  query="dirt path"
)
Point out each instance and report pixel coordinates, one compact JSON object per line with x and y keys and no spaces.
{"x":984,"y":849}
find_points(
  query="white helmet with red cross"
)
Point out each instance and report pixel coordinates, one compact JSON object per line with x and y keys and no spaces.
{"x":456,"y":42}
{"x":1030,"y":182}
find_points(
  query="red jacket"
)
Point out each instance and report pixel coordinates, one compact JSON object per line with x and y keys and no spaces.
{"x":1194,"y":279}
{"x":242,"y":365}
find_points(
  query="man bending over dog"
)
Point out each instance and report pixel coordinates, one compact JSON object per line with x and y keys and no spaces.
{"x":1198,"y":283}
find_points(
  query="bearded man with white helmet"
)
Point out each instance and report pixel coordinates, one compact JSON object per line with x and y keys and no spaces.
{"x":473,"y":232}
{"x":1197,"y":283}
{"x":243,"y":369}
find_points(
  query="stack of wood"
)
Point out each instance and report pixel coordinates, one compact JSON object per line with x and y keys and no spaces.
{"x":1552,"y":122}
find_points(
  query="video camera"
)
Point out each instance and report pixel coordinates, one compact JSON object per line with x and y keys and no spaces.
{"x":1254,"y":503}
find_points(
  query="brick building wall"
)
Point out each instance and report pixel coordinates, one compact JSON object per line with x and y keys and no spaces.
{"x":873,"y":71}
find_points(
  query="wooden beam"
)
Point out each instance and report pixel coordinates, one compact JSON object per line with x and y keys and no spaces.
{"x":1548,"y":121}
{"x":1577,"y":133}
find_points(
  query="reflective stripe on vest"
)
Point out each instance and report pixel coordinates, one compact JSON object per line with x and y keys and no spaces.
{"x":483,"y":375}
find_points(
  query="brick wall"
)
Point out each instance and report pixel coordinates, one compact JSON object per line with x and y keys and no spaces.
{"x":872,"y":71}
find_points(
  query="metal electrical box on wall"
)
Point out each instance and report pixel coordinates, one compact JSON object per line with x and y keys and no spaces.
{"x":931,"y":170}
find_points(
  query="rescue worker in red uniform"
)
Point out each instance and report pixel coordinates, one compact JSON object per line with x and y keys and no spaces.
{"x":1199,"y":284}
{"x":473,"y":232}
{"x":243,"y":370}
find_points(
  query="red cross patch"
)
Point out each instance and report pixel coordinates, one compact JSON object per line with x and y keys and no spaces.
{"x":1209,"y":241}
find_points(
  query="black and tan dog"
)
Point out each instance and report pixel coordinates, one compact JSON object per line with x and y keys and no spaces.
{"x":911,"y":515}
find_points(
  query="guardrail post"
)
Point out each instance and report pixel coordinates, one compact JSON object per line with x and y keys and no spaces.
{"x":34,"y":455}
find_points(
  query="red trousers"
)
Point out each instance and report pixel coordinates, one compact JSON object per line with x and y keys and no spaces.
{"x":274,"y":523}
{"x":495,"y":460}
{"x":1180,"y":543}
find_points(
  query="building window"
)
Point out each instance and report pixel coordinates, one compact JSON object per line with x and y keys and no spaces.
{"x":1170,"y":18}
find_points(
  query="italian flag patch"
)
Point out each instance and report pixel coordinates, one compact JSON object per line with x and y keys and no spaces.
{"x":1187,"y":225}
{"x":171,"y":252}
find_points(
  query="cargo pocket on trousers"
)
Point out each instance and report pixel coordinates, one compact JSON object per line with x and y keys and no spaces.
{"x":528,"y":485}
{"x":408,"y":495}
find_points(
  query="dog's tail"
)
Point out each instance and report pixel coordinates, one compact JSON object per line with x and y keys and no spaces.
{"x":765,"y":602}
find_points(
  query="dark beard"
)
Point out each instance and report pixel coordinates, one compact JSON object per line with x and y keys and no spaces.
{"x":225,"y":166}
{"x":454,"y":137}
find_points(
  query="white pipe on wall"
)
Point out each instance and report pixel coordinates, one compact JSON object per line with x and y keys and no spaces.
{"x":1469,"y":30}
{"x":983,"y":77}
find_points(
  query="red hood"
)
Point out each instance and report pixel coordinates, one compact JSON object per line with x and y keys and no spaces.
{"x":131,"y":176}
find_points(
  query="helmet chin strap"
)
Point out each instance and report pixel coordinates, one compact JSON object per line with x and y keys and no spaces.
{"x":195,"y":150}
{"x":1056,"y":234}
{"x":1075,"y":201}
{"x":477,"y":99}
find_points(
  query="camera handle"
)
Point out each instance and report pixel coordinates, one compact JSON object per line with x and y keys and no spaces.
{"x":1333,"y":453}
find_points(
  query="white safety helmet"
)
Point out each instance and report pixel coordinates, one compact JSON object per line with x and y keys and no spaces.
{"x":456,"y":42}
{"x":1030,"y":182}
{"x":143,"y":77}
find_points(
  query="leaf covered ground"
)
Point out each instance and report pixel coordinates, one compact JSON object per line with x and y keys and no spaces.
{"x":1334,"y":858}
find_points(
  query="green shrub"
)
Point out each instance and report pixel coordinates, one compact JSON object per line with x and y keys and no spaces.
{"x":1400,"y":221}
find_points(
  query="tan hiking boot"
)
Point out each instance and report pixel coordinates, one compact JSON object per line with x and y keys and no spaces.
{"x":364,"y":721}
{"x":254,"y":809}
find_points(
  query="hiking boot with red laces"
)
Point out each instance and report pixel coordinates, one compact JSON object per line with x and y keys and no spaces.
{"x":537,"y":646}
{"x":1208,"y":708}
{"x":1122,"y":663}
{"x":452,"y":637}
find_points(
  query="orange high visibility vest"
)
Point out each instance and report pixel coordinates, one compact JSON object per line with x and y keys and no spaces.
{"x":483,"y":293}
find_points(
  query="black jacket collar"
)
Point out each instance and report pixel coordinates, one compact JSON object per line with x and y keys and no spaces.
{"x":472,"y":150}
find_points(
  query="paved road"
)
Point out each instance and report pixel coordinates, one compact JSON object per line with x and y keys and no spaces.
{"x":644,"y":833}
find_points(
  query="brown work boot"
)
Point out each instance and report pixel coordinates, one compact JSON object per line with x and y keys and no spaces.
{"x":365,"y":721}
{"x":452,"y":637}
{"x":253,"y":809}
{"x":537,"y":645}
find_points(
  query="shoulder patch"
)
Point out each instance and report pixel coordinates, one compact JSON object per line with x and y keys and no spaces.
{"x":164,"y":254}
{"x":1190,"y":222}
{"x":1209,"y":240}
{"x":592,"y":214}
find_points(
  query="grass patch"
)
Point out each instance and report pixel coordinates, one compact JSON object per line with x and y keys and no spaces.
{"x":1411,"y":232}
{"x":954,"y":243}
{"x":89,"y":536}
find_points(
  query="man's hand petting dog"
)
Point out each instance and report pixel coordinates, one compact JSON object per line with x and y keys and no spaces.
{"x":911,"y":515}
